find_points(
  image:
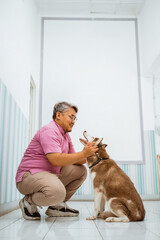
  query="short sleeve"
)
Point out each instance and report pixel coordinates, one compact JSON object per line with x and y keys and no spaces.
{"x":50,"y":141}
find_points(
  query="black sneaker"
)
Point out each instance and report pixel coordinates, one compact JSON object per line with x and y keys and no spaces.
{"x":61,"y":210}
{"x":29,"y":211}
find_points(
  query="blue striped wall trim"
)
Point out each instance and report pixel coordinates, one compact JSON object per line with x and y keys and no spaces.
{"x":13,"y":142}
{"x":144,"y":176}
{"x":154,"y":160}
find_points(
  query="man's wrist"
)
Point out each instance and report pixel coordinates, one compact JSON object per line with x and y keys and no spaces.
{"x":84,"y":155}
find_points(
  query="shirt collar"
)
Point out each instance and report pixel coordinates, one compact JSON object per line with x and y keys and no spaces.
{"x":60,"y":128}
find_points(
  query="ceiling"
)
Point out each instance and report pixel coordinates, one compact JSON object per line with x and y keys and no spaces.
{"x":110,"y":7}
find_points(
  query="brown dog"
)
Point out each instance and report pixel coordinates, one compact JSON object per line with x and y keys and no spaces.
{"x":111,"y":184}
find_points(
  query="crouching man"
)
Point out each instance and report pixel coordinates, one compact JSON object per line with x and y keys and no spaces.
{"x":51,"y":171}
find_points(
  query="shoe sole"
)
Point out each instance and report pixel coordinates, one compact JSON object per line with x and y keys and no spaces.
{"x":24,"y":215}
{"x":56,"y":213}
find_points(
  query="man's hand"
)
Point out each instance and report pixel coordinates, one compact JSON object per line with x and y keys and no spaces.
{"x":89,"y":149}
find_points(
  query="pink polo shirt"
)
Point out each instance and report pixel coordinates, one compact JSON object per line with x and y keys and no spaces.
{"x":49,"y":139}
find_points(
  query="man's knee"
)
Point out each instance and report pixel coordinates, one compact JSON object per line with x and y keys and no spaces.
{"x":55,"y":194}
{"x":84,"y":171}
{"x":80,"y":171}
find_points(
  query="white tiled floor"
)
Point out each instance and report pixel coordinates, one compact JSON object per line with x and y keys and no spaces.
{"x":14,"y":227}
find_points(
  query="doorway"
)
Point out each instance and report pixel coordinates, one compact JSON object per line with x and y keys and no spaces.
{"x":32,"y":105}
{"x":156,"y":100}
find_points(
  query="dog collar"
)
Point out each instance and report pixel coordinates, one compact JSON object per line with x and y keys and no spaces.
{"x":99,"y":160}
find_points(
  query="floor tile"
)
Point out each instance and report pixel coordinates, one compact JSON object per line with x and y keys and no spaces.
{"x":70,"y":234}
{"x":73,"y":222}
{"x":127,"y":234}
{"x":14,"y":227}
{"x":6,"y":222}
{"x":23,"y":229}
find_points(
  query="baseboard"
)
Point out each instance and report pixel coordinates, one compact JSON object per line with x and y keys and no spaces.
{"x":91,"y":197}
{"x":8,"y":207}
{"x":150,"y":197}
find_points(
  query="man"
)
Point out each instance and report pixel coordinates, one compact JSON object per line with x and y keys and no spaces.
{"x":51,"y":171}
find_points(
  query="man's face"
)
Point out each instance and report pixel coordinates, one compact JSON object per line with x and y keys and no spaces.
{"x":67,"y":119}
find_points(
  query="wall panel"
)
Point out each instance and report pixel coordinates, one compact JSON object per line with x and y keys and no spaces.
{"x":13,"y":141}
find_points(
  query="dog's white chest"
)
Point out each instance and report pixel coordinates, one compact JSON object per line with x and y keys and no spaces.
{"x":93,"y":175}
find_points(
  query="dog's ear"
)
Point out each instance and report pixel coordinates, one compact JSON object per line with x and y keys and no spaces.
{"x":99,"y":140}
{"x":104,"y":145}
{"x":84,"y":142}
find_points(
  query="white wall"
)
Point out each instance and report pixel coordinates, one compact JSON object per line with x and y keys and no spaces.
{"x":93,"y":64}
{"x":149,"y":38}
{"x":19,"y":49}
{"x":19,"y":60}
{"x":149,"y":29}
{"x":150,"y":34}
{"x":147,"y":103}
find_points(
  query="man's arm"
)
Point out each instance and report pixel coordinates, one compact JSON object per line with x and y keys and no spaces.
{"x":83,"y":161}
{"x":64,"y":159}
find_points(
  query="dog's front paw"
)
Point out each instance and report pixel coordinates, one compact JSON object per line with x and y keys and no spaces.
{"x":91,"y":218}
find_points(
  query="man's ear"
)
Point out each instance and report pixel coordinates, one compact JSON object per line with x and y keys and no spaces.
{"x":58,"y":115}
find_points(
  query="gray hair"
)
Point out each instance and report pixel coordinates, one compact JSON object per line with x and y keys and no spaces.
{"x":63,"y":107}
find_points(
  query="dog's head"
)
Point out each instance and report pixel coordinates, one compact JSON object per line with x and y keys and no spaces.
{"x":88,"y":138}
{"x":98,"y":141}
